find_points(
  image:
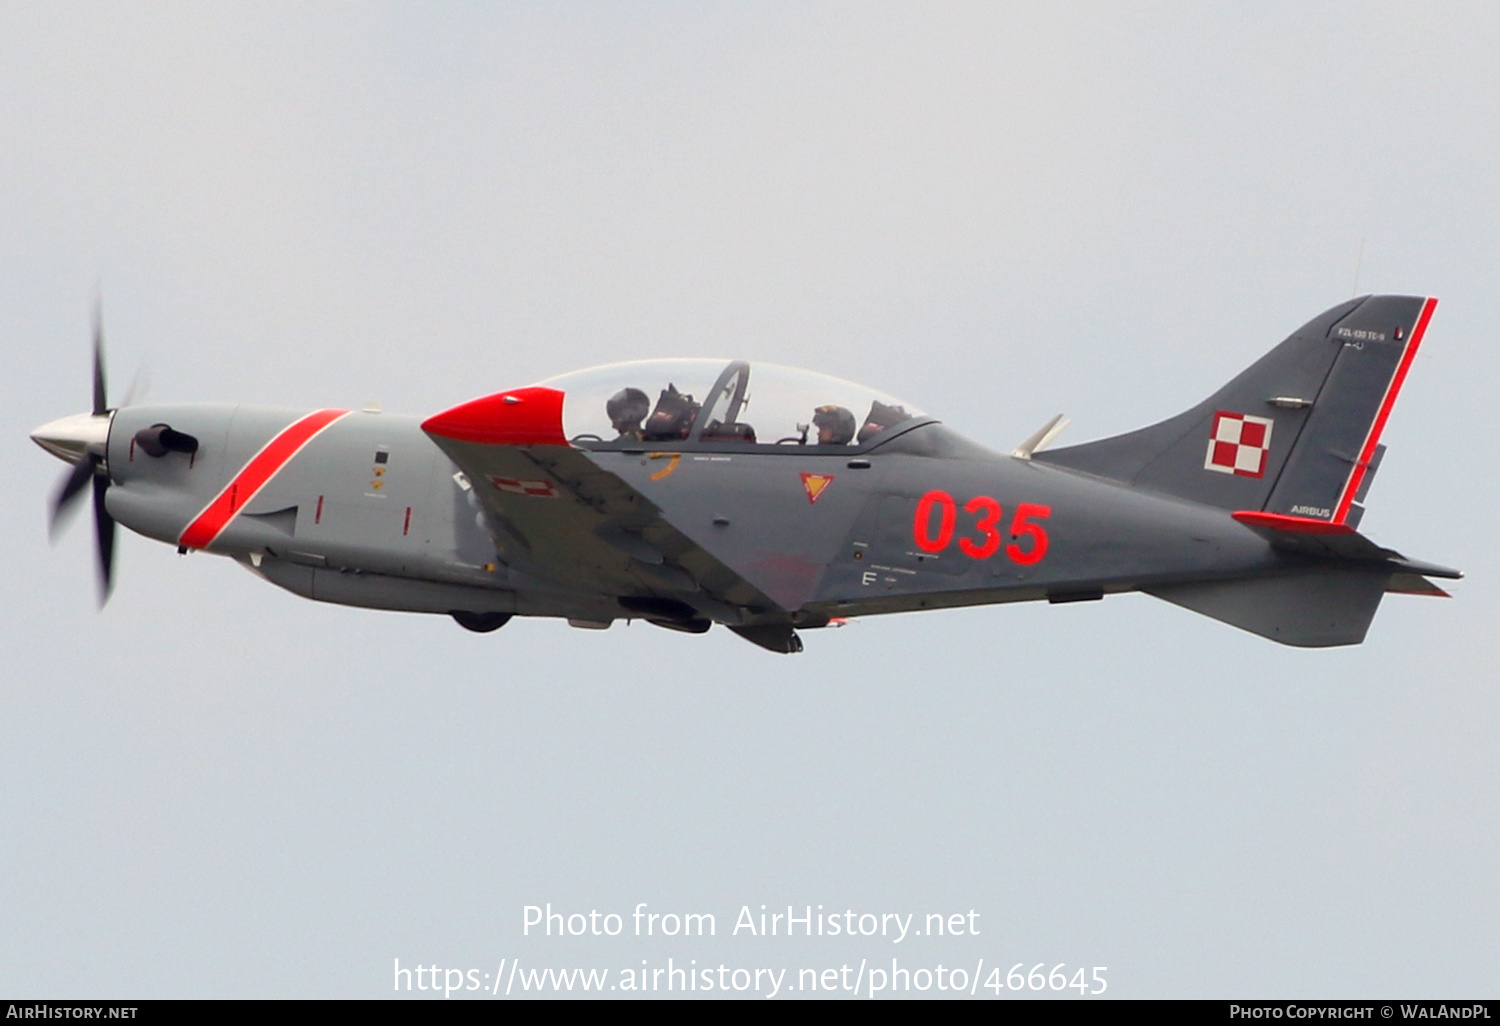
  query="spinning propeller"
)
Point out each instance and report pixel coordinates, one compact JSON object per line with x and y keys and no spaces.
{"x":82,"y":440}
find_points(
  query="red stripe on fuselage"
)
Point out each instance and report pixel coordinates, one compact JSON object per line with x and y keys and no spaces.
{"x":1362,"y":466}
{"x":255,"y":475}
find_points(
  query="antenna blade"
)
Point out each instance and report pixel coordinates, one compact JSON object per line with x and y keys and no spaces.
{"x":1041,"y":438}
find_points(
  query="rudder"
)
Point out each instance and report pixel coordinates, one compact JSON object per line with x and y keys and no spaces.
{"x":1334,"y":459}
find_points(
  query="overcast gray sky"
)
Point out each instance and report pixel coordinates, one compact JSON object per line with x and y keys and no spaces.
{"x":999,"y":212}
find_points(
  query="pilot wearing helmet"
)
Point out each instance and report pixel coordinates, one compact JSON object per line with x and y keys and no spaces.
{"x":627,"y":408}
{"x":835,"y":425}
{"x":881,"y":417}
{"x":673,"y":417}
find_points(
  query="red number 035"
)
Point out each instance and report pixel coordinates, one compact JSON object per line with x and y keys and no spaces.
{"x":937,"y":519}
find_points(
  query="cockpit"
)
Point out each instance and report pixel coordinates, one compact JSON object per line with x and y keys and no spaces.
{"x":719,"y":403}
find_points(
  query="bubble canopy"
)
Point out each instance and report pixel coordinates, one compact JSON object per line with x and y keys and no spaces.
{"x":672,"y":403}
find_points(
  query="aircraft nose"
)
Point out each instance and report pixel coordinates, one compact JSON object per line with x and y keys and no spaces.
{"x":69,"y":438}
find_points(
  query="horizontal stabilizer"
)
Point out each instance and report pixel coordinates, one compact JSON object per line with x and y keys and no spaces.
{"x":1416,"y":566}
{"x":1290,"y":524}
{"x":1314,"y":609}
{"x":1307,"y":537}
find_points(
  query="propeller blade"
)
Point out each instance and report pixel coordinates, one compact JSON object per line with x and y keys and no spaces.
{"x":104,"y":532}
{"x":101,"y":403}
{"x":140,"y":385}
{"x":67,"y":495}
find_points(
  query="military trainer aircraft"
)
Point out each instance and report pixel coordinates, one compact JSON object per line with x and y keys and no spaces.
{"x":694,"y":492}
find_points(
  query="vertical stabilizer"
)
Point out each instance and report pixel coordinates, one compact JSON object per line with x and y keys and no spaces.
{"x":1295,"y":435}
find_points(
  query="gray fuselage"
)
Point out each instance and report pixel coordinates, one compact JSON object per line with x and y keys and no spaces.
{"x":372,"y":513}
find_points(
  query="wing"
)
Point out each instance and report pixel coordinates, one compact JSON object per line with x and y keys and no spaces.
{"x":558,"y":515}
